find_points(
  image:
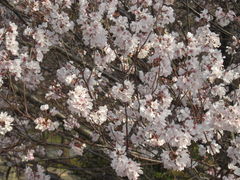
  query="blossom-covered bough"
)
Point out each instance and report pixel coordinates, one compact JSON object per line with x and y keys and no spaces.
{"x":135,"y":82}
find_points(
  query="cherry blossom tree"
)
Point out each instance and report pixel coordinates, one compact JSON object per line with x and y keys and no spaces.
{"x":136,"y":83}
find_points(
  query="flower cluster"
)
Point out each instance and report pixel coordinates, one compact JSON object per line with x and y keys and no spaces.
{"x":71,"y":123}
{"x":123,"y":91}
{"x":204,"y":16}
{"x":100,"y":116}
{"x":80,"y":101}
{"x":67,"y":74}
{"x":11,"y":42}
{"x":224,"y":18}
{"x":38,"y":175}
{"x":45,"y":124}
{"x":125,"y":166}
{"x":177,"y":160}
{"x":5,"y":123}
{"x":77,"y":147}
